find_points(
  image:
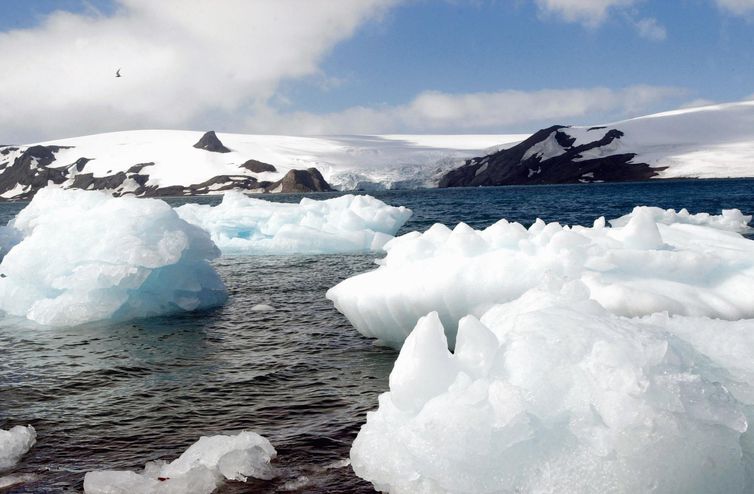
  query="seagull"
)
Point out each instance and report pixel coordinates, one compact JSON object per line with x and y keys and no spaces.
{"x":117,"y":73}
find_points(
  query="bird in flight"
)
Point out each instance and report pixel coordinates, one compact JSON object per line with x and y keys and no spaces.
{"x":117,"y":73}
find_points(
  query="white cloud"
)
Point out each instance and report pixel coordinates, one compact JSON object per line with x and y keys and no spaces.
{"x":649,"y":28}
{"x":588,"y":12}
{"x":183,"y":62}
{"x":738,"y":7}
{"x":434,"y":111}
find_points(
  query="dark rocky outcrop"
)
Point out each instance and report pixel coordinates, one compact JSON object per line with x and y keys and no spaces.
{"x":309,"y":180}
{"x":529,"y":163}
{"x":210,"y":142}
{"x":258,"y":166}
{"x":139,"y":167}
{"x":30,"y":171}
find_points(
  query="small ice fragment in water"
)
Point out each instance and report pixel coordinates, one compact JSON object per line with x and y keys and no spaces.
{"x":14,"y":443}
{"x":199,"y":470}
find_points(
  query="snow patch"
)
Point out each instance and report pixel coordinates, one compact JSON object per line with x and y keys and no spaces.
{"x":545,"y":149}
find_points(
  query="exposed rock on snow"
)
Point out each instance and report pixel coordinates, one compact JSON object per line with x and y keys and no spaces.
{"x":199,"y":470}
{"x":14,"y":443}
{"x":245,"y":225}
{"x":309,"y":180}
{"x":552,"y":393}
{"x":66,"y":269}
{"x":259,"y":167}
{"x":709,"y":142}
{"x":210,"y":142}
{"x":25,"y":171}
{"x":552,"y":153}
{"x":650,"y":261}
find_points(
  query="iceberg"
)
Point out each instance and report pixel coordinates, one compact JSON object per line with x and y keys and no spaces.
{"x":14,"y":443}
{"x":647,"y":262}
{"x":551,"y":392}
{"x":346,"y":224}
{"x":199,"y":470}
{"x":81,"y":256}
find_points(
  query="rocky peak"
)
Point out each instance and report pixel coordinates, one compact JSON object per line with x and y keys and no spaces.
{"x":210,"y":142}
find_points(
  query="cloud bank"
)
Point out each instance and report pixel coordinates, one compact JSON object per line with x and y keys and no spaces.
{"x":182,"y":61}
{"x":435,"y":111}
{"x":195,"y":64}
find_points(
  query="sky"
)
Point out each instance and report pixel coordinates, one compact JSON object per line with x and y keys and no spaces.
{"x":314,"y":67}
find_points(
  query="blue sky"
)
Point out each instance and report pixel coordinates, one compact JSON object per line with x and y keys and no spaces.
{"x":373,"y":66}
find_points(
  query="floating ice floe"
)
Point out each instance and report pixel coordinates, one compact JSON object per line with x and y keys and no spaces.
{"x":553,"y":393}
{"x":14,"y":443}
{"x":244,"y":225}
{"x":650,"y":261}
{"x":199,"y":470}
{"x":81,"y":256}
{"x":731,"y":219}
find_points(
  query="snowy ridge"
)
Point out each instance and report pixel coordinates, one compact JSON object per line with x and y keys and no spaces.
{"x":159,"y":162}
{"x":715,"y":141}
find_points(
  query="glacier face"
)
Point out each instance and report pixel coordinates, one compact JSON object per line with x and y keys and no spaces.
{"x":80,"y":256}
{"x":651,"y":261}
{"x":199,"y":470}
{"x":553,"y":393}
{"x":345,"y":224}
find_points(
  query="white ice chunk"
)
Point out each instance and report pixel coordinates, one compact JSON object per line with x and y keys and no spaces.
{"x":14,"y":443}
{"x":199,"y":470}
{"x":575,"y":400}
{"x":86,"y":256}
{"x":731,"y":219}
{"x":649,"y":261}
{"x":245,"y":225}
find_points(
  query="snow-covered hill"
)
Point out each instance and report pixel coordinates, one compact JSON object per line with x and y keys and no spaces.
{"x":162,"y":162}
{"x":715,"y":141}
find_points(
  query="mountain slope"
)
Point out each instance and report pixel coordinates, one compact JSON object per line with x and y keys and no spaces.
{"x":714,"y":141}
{"x":166,"y":162}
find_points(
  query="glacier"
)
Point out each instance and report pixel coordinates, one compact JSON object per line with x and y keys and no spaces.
{"x":199,"y":470}
{"x":551,"y":392}
{"x":345,"y":224}
{"x":14,"y":443}
{"x":81,"y":256}
{"x":649,"y":261}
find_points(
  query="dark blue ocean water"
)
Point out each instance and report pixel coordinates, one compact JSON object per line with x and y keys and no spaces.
{"x":107,"y":396}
